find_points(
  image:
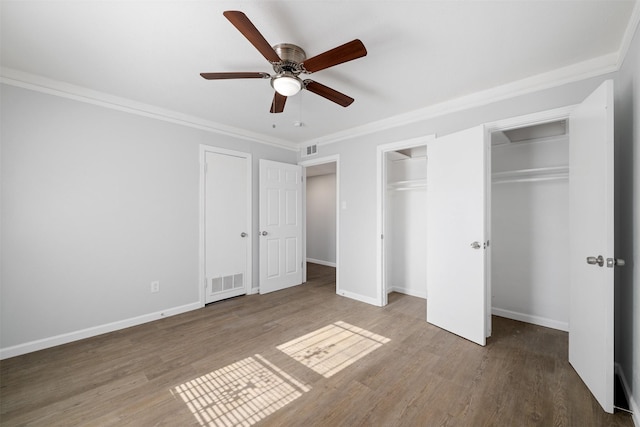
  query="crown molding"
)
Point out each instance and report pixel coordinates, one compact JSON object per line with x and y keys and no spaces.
{"x":629,"y":32}
{"x":570,"y":74}
{"x":37,"y":83}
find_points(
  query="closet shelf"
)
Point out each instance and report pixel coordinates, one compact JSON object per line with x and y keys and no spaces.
{"x":412,"y":184}
{"x":531,"y":175}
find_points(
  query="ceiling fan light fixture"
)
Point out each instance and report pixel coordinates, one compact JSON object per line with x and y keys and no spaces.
{"x":286,"y":84}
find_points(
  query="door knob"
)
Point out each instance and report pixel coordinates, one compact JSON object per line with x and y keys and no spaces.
{"x":615,"y":262}
{"x":593,"y":260}
{"x":264,"y":233}
{"x":476,"y":245}
{"x":243,"y":234}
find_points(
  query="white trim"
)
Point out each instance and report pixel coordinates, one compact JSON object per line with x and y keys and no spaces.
{"x":532,"y":119}
{"x":529,"y":318}
{"x":358,"y":297}
{"x":629,"y":32}
{"x":304,"y":222}
{"x":36,"y":83}
{"x":381,"y":179}
{"x":204,"y":149}
{"x":41,"y":344}
{"x":411,"y":292}
{"x":570,"y":74}
{"x":335,"y":158}
{"x":321,"y":262}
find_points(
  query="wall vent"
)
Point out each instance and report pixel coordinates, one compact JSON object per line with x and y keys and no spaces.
{"x":310,"y":150}
{"x":227,"y":283}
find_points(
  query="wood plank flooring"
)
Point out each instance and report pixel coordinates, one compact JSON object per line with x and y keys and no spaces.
{"x":185,"y":370}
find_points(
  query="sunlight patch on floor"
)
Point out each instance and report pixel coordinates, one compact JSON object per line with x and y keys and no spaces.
{"x":240,"y":394}
{"x":332,"y":348}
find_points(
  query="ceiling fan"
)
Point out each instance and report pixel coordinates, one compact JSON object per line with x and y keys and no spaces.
{"x":288,"y":62}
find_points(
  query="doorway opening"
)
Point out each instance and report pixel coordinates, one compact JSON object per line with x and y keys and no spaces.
{"x":321,"y":224}
{"x":530,"y":224}
{"x":404,"y":242}
{"x":402,"y":201}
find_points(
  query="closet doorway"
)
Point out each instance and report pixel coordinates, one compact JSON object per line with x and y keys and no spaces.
{"x":530,"y":223}
{"x":321,"y":213}
{"x":402,"y":202}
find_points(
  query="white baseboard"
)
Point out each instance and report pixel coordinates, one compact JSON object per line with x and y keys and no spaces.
{"x":408,"y":291}
{"x":321,"y":262}
{"x":41,"y":344}
{"x":633,"y":405}
{"x":529,"y":318}
{"x":361,"y":298}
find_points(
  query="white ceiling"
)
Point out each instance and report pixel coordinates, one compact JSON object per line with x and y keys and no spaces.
{"x":420,"y":53}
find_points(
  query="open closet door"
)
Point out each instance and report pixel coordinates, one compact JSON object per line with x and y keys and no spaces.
{"x":591,"y":235}
{"x":456,"y":226}
{"x":280,"y":225}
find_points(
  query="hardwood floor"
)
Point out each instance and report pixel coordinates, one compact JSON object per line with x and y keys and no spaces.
{"x":369,"y":366}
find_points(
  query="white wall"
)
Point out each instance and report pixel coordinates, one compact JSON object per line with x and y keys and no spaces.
{"x":96,"y":204}
{"x":627,"y":208}
{"x":321,"y":219}
{"x":530,"y":234}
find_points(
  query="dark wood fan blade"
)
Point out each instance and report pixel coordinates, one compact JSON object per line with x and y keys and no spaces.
{"x":236,"y":75}
{"x":277,"y":105}
{"x":347,"y":52}
{"x":326,"y":92}
{"x":242,"y":23}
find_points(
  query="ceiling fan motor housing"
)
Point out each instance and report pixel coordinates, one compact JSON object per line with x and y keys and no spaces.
{"x":292,"y":57}
{"x":289,"y":61}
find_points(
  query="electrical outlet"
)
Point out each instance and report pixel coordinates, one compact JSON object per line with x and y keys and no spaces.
{"x":155,"y":286}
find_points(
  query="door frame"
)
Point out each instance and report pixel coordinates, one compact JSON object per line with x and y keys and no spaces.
{"x":381,"y":202}
{"x":204,"y":149}
{"x":532,"y":119}
{"x":335,"y":158}
{"x":540,"y":117}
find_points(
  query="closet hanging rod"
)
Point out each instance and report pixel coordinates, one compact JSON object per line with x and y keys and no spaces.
{"x":531,"y":175}
{"x":531,"y":179}
{"x":407,"y":185}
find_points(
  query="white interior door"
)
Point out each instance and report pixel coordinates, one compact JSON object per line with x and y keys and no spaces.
{"x":227,"y":224}
{"x":280,"y":225}
{"x":457,"y":245}
{"x":591,"y":235}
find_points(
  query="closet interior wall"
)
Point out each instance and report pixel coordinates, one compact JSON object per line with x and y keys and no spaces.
{"x":405,"y":222}
{"x":530,"y":229}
